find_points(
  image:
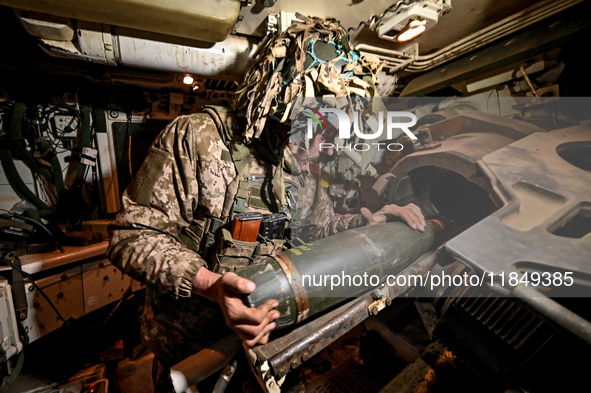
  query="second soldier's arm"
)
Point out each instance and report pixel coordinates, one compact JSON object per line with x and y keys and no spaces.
{"x":318,"y":208}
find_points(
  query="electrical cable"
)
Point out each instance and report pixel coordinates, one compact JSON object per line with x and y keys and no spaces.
{"x":496,"y":89}
{"x":124,"y":296}
{"x":129,"y":157}
{"x":127,"y":146}
{"x":50,"y":111}
{"x":37,"y":223}
{"x":68,"y":322}
{"x":30,"y":277}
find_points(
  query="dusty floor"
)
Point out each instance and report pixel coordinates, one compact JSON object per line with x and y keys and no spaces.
{"x":337,"y":369}
{"x":66,"y":361}
{"x":124,"y":376}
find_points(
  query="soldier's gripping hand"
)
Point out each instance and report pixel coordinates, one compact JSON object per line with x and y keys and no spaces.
{"x":411,"y":214}
{"x":253,"y":325}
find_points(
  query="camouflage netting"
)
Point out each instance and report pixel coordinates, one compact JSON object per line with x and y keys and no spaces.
{"x":309,"y":59}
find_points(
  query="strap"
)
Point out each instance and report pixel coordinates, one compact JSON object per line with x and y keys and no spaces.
{"x":199,"y":238}
{"x":225,"y":120}
{"x":191,"y":236}
{"x":228,"y":128}
{"x":279,"y":188}
{"x":294,"y":202}
{"x":213,"y":225}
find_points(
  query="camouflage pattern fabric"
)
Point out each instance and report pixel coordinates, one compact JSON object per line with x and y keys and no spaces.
{"x":188,"y":171}
{"x":299,"y":62}
{"x":189,"y":168}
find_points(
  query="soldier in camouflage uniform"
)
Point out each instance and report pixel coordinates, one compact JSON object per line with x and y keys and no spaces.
{"x":188,"y":177}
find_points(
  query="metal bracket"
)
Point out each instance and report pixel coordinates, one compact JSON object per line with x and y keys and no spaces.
{"x":425,"y":140}
{"x":383,"y":300}
{"x":414,"y":56}
{"x":272,"y":23}
{"x":263,"y":373}
{"x":280,"y":22}
{"x":271,"y":384}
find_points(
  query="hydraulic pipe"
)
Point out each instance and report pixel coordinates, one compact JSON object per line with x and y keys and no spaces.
{"x":311,"y":278}
{"x":509,"y":25}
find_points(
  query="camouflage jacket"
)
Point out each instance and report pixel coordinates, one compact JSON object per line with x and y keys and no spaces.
{"x":187,"y":168}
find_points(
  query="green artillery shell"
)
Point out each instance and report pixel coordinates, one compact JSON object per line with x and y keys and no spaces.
{"x":311,"y":278}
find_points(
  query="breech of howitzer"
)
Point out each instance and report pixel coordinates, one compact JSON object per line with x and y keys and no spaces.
{"x":311,"y":278}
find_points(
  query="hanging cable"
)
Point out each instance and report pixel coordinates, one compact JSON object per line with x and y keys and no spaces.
{"x":27,"y":275}
{"x":68,"y":322}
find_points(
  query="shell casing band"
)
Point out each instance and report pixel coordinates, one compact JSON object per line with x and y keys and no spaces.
{"x":302,"y":279}
{"x":295,"y":279}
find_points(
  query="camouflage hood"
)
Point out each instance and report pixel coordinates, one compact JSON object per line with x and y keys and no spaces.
{"x":311,"y":58}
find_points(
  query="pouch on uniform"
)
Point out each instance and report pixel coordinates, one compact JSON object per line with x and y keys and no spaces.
{"x":233,"y":254}
{"x":269,"y":248}
{"x":273,"y":226}
{"x":299,"y":231}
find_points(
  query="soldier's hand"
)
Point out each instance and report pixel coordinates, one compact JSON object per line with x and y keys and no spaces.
{"x":253,"y":325}
{"x":410,"y":214}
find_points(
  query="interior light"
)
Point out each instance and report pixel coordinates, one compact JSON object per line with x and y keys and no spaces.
{"x":412,"y":30}
{"x":188,"y":80}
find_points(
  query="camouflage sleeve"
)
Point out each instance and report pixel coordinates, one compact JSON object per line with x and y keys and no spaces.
{"x":318,"y":208}
{"x":184,"y":169}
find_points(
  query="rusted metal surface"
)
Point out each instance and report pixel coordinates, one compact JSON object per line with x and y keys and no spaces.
{"x":401,"y":347}
{"x":443,"y":176}
{"x":318,"y":336}
{"x":541,"y":192}
{"x":456,"y":145}
{"x":424,"y":374}
{"x":482,"y":122}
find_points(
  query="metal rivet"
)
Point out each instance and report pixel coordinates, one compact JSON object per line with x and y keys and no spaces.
{"x":64,"y":276}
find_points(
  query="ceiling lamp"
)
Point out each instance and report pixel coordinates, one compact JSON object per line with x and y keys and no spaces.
{"x":405,"y":21}
{"x":412,"y":30}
